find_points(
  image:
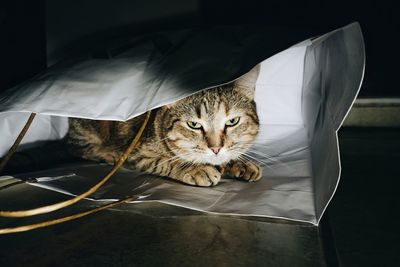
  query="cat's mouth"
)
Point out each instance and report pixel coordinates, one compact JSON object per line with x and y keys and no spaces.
{"x":207,"y":157}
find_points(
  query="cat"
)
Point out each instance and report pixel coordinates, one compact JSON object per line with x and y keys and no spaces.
{"x":195,"y":140}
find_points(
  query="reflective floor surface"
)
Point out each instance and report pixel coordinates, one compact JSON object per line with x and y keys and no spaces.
{"x":360,"y":228}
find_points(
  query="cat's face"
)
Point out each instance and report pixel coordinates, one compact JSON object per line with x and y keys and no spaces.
{"x":214,"y":126}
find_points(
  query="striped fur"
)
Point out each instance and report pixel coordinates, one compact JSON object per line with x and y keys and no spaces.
{"x":171,"y":148}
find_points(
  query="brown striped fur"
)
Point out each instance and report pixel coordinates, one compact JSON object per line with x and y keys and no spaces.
{"x":170,"y":147}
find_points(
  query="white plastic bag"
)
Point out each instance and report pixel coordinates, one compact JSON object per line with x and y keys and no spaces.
{"x":303,"y":94}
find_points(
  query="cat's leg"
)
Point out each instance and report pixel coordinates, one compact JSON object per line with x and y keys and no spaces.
{"x":107,"y":154}
{"x":248,"y":171}
{"x":85,"y":141}
{"x":98,"y":152}
{"x":200,"y":175}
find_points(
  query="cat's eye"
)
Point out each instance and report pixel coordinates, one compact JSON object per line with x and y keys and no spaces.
{"x":232,"y":122}
{"x":194,"y":125}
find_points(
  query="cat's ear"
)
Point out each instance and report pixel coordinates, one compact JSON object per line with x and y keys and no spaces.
{"x":246,"y":84}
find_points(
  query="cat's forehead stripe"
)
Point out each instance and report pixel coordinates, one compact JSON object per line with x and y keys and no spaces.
{"x":203,"y":110}
{"x":198,"y":111}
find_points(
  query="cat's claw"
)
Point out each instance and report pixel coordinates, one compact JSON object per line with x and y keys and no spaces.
{"x":202,"y":176}
{"x":248,"y":171}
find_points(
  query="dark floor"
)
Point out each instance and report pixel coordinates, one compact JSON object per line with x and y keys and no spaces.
{"x":364,"y":212}
{"x":154,"y":234}
{"x":360,"y":228}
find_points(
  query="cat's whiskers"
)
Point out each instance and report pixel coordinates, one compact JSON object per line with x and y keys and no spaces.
{"x":244,"y":154}
{"x":245,"y":159}
{"x":267,"y":164}
{"x":257,"y":151}
{"x":178,"y":156}
{"x":171,"y":159}
{"x":265,"y":146}
{"x":269,"y":156}
{"x":185,"y":165}
{"x":161,"y":140}
{"x":264,"y":155}
{"x":256,"y":155}
{"x":273,"y":160}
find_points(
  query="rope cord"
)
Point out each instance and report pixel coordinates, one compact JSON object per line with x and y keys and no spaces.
{"x":17,"y":141}
{"x":29,"y":227}
{"x":63,"y":204}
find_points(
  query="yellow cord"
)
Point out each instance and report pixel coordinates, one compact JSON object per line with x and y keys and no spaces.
{"x":61,"y":220}
{"x":17,"y":141}
{"x":63,"y":204}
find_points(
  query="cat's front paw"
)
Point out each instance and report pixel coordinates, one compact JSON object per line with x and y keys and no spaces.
{"x":248,"y":171}
{"x":202,"y":176}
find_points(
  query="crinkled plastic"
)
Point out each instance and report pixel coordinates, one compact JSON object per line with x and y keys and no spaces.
{"x":303,"y":94}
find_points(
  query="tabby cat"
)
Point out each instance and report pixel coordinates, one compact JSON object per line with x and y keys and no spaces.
{"x":195,"y":140}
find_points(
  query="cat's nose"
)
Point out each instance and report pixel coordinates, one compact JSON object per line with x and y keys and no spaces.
{"x":215,"y":149}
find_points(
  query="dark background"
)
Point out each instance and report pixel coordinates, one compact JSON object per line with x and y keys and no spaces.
{"x":36,"y":34}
